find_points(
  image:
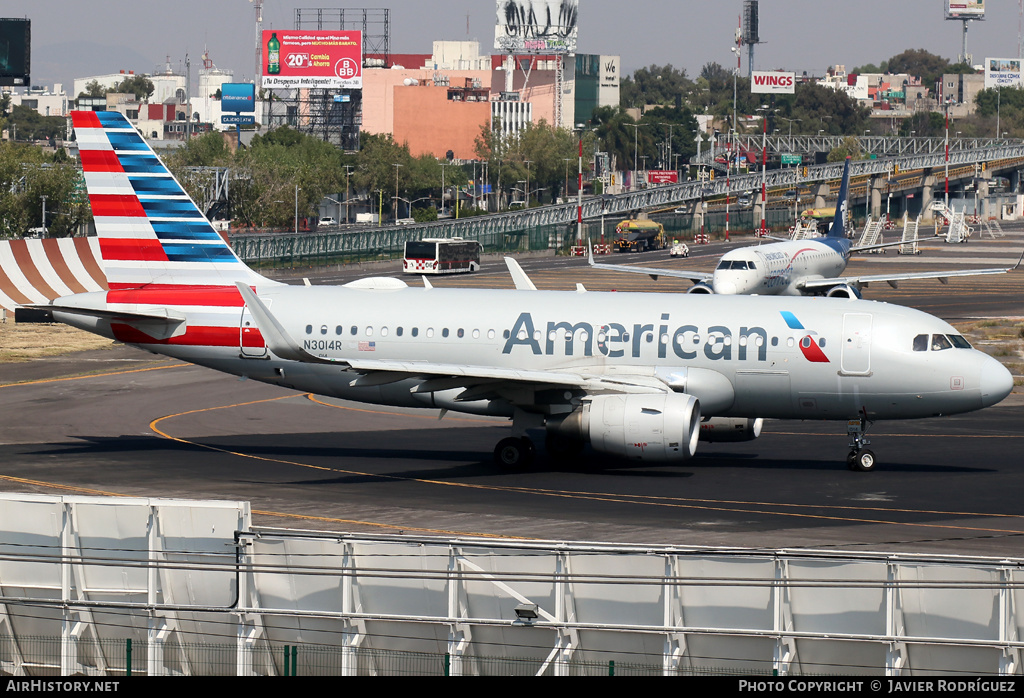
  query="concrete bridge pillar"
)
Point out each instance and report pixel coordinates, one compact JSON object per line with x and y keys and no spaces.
{"x":820,"y":194}
{"x":928,"y":184}
{"x":983,"y":202}
{"x":876,"y":198}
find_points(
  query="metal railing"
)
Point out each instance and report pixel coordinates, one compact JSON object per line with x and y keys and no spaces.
{"x":42,"y":656}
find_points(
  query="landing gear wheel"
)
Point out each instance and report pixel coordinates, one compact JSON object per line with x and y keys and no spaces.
{"x":514,"y":453}
{"x":862,"y":460}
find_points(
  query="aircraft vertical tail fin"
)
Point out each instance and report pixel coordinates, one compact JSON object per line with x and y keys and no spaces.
{"x":151,"y":232}
{"x":838,"y":229}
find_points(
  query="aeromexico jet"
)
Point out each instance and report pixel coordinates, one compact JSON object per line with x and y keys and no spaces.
{"x":641,"y":376}
{"x":794,"y":267}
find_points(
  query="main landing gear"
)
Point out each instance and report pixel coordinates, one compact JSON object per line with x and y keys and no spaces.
{"x":860,"y":458}
{"x":517,"y":451}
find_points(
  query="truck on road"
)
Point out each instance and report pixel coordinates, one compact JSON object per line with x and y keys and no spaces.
{"x":639,"y":235}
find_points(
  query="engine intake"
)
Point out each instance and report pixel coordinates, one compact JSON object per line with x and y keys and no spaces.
{"x":701,"y":287}
{"x":843,"y":291}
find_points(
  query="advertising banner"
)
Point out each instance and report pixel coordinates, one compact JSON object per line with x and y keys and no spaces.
{"x":15,"y":52}
{"x":662,"y":176}
{"x":314,"y":59}
{"x":968,"y":9}
{"x":1002,"y":72}
{"x":238,"y":97}
{"x":536,"y":26}
{"x":772,"y":82}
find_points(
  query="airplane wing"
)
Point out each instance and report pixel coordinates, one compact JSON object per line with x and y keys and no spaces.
{"x":651,"y":271}
{"x":443,"y":376}
{"x":892,"y":279}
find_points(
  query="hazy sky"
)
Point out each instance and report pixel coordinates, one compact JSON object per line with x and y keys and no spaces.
{"x":75,"y":38}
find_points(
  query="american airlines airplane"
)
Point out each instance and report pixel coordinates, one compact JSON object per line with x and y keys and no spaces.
{"x":640,"y":376}
{"x":794,"y":267}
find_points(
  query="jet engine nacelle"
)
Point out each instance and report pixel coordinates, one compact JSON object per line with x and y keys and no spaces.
{"x":730,"y":429}
{"x":843,"y":291}
{"x":701,"y":287}
{"x":662,"y":427}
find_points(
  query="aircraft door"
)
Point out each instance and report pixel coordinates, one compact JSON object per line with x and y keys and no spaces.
{"x":250,"y":340}
{"x":856,"y":360}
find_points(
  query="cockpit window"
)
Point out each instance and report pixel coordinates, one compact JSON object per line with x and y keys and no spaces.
{"x":724,"y":264}
{"x":921,"y":342}
{"x":939,"y":342}
{"x":958,"y":341}
{"x":735,"y":264}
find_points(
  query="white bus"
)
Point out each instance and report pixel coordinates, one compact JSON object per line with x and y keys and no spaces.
{"x":441,"y":256}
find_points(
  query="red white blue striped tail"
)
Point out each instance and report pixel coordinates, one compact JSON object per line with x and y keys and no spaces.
{"x":151,"y":233}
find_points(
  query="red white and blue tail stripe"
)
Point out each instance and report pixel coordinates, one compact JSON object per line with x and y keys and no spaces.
{"x":151,"y":233}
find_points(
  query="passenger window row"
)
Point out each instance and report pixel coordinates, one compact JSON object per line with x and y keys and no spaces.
{"x":369,"y":330}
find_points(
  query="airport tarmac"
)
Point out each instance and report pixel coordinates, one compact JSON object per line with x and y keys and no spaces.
{"x":125,"y":422}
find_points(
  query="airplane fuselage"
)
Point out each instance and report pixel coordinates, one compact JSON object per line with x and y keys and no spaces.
{"x":778,"y":268}
{"x":816,"y":358}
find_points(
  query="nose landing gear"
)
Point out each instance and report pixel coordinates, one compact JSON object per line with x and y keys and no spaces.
{"x":860,"y":459}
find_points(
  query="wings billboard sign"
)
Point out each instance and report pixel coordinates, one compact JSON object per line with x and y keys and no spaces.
{"x":313,"y":59}
{"x":772,"y":82}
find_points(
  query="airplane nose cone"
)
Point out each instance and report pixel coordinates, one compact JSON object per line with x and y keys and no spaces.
{"x":726,"y":288}
{"x":996,"y":382}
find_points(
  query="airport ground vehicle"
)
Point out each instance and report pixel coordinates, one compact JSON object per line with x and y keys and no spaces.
{"x":678,"y":249}
{"x":441,"y":256}
{"x":635,"y":235}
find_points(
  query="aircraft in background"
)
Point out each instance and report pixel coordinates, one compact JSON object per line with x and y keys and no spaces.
{"x":795,"y":267}
{"x":640,"y":376}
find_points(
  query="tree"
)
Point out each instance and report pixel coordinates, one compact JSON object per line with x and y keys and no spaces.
{"x":138,"y":85}
{"x":654,"y":85}
{"x":27,"y":174}
{"x":927,"y":66}
{"x":31,"y":125}
{"x":93,"y":89}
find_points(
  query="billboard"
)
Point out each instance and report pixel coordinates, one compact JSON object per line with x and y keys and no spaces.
{"x":313,"y":59}
{"x":1002,"y":72}
{"x":238,"y":97}
{"x":15,"y":51}
{"x":662,"y":177}
{"x":536,"y":26}
{"x":772,"y":82}
{"x":965,"y":9}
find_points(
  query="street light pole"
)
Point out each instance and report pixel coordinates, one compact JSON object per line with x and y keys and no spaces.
{"x":296,"y":209}
{"x":397,"y":165}
{"x":947,"y":154}
{"x":348,"y":174}
{"x":43,"y":197}
{"x":527,"y":182}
